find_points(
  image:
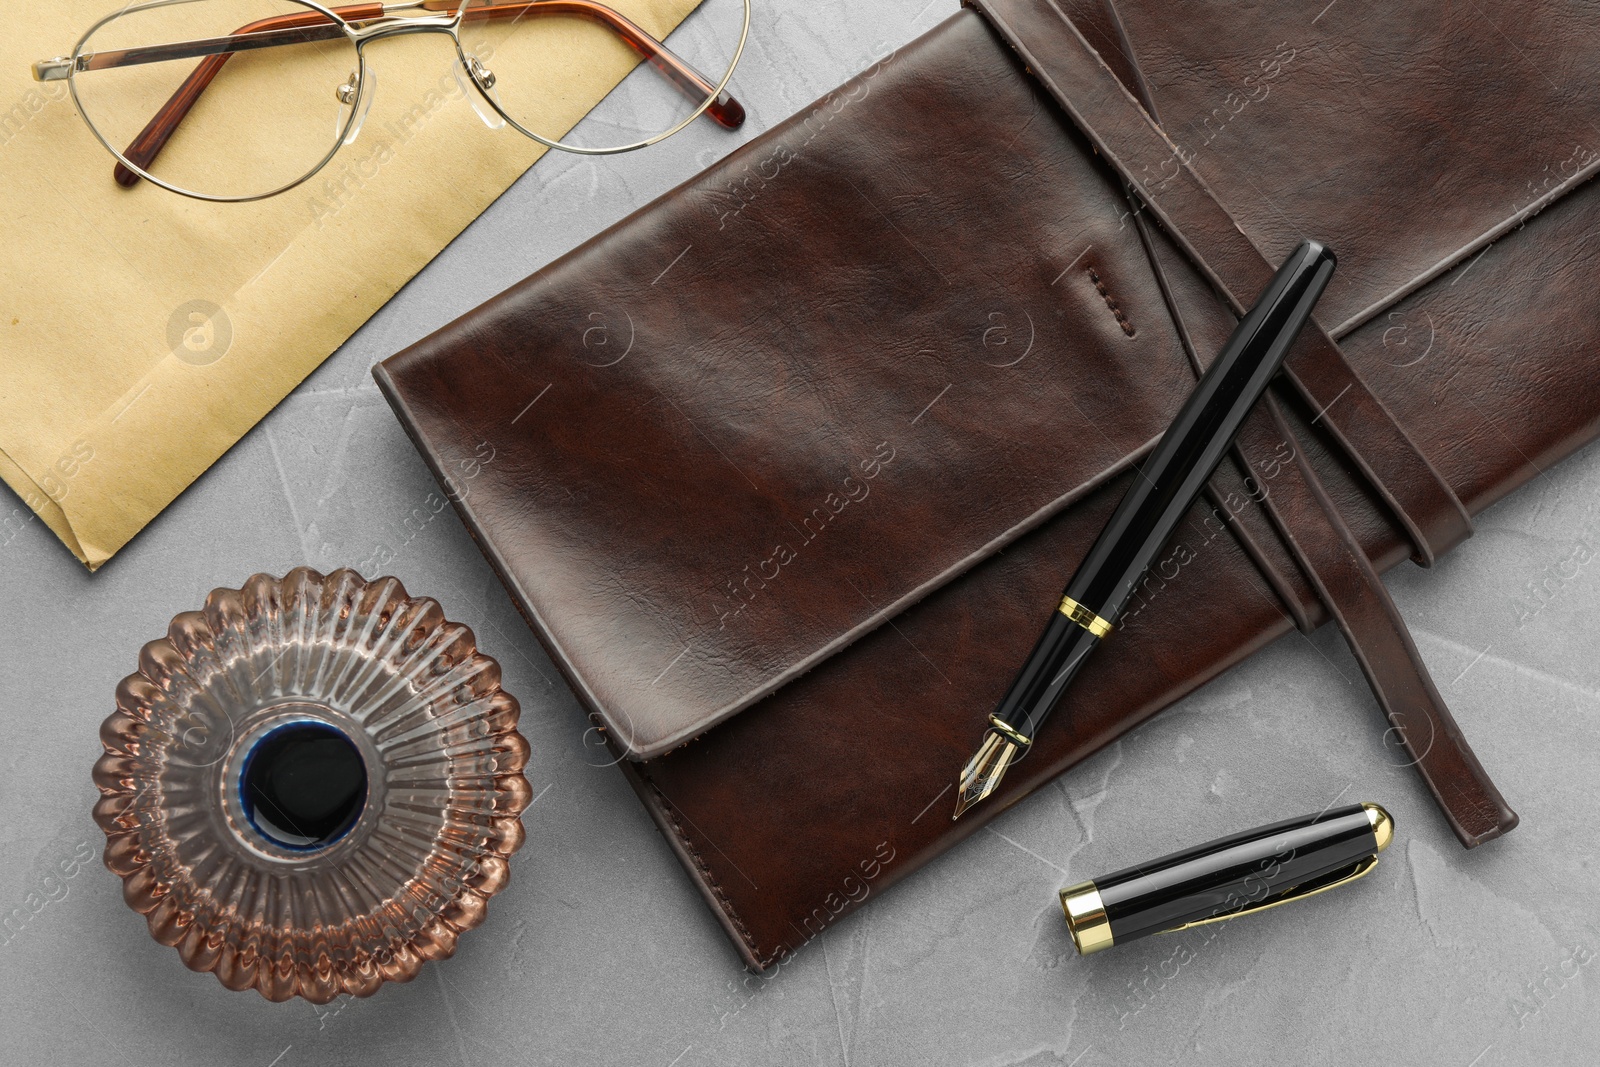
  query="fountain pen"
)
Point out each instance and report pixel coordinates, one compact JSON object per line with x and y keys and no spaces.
{"x":1164,"y":488}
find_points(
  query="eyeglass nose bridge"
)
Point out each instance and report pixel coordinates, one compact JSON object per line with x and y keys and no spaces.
{"x":357,"y":91}
{"x":399,"y":26}
{"x":470,"y":71}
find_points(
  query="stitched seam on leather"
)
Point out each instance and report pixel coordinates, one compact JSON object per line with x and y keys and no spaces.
{"x":1479,"y":244}
{"x":1105,"y":294}
{"x":705,"y":871}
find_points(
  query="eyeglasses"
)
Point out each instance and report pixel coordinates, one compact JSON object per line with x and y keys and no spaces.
{"x":283,"y":84}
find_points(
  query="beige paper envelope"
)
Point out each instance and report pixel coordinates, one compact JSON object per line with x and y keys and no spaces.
{"x":142,"y":333}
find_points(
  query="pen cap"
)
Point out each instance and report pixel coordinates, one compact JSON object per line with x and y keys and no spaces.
{"x":1244,"y":872}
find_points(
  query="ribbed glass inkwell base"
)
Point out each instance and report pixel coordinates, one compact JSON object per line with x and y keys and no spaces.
{"x":312,"y":785}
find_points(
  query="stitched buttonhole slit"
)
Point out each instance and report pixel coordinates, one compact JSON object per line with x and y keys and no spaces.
{"x":1105,"y":294}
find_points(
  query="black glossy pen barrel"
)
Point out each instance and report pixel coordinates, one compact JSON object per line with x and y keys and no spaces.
{"x":1055,"y":659}
{"x":1170,"y":480}
{"x":1167,"y":484}
{"x":1244,"y":872}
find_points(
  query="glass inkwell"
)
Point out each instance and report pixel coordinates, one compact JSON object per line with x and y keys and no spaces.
{"x":313,"y":785}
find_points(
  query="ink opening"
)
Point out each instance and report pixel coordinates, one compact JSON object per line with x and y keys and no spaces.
{"x":303,"y":785}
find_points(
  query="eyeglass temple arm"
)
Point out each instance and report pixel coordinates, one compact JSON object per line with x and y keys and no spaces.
{"x":314,"y":26}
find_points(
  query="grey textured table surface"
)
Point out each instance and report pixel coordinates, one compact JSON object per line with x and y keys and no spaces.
{"x":601,"y":952}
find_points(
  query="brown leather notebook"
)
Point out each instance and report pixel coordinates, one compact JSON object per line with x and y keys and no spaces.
{"x":806,"y":446}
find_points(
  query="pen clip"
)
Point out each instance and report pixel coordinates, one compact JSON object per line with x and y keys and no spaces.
{"x":1332,"y":880}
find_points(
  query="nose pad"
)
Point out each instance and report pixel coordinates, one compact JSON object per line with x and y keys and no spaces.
{"x":472,"y":75}
{"x":351,"y":94}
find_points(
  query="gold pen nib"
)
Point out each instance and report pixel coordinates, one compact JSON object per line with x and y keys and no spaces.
{"x":984,"y":770}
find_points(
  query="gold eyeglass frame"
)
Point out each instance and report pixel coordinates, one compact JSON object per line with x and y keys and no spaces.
{"x":382,"y":20}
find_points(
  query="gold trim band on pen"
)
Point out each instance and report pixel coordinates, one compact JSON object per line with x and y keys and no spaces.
{"x":1009,"y":732}
{"x":1086,"y":917}
{"x":1084,"y":617}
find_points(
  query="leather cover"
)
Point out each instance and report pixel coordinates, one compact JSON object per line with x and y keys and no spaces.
{"x":765,"y":440}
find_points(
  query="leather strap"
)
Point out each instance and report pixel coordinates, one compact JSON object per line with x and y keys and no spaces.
{"x":1123,"y":132}
{"x":1298,"y":505}
{"x":1349,"y":586}
{"x":1306,"y":521}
